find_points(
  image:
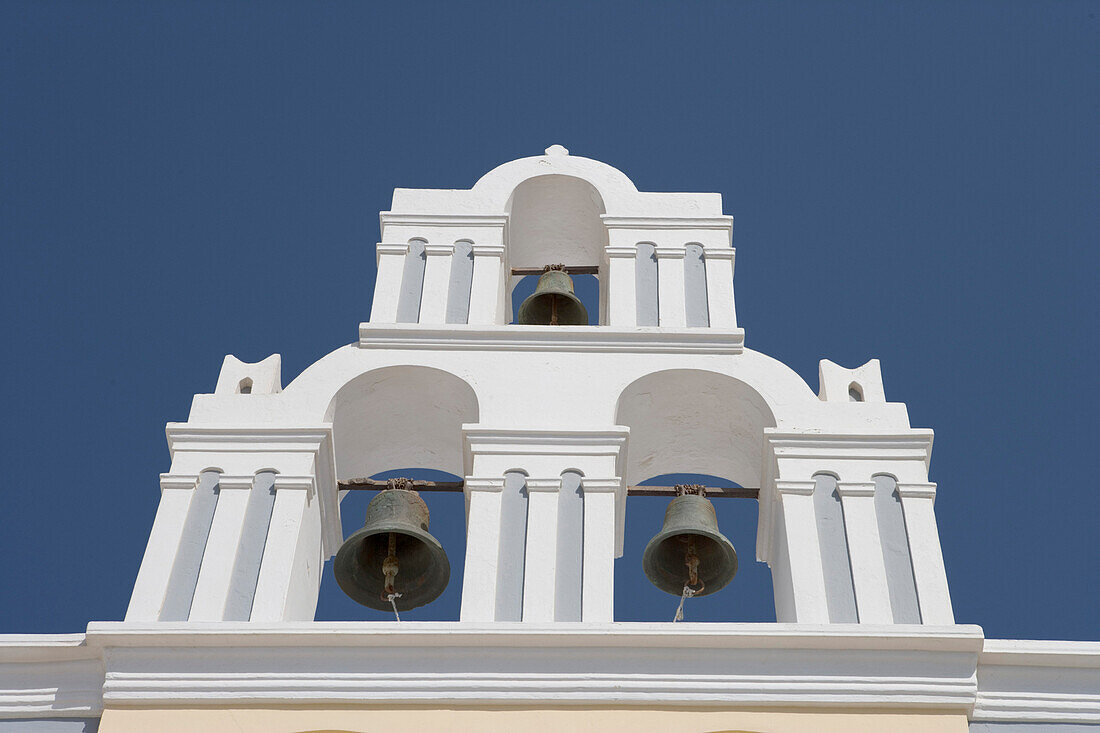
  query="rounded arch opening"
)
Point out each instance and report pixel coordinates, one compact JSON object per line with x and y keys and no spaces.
{"x":694,"y":421}
{"x":555,"y":218}
{"x":401,"y":416}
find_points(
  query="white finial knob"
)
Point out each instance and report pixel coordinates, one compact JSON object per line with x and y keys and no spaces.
{"x":556,"y":150}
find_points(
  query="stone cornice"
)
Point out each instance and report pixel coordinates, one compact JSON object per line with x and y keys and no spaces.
{"x":439,"y":250}
{"x":669,"y":253}
{"x":54,"y":675}
{"x":217,"y":438}
{"x":855,"y":488}
{"x":467,"y":220}
{"x":383,"y":248}
{"x":915,"y":444}
{"x":251,"y":449}
{"x":932,"y":668}
{"x":649,"y":340}
{"x":1038,"y":681}
{"x":724,"y":223}
{"x":641,"y":664}
{"x":916,"y":490}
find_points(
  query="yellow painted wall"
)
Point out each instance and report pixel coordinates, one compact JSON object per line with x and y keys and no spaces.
{"x":511,"y":720}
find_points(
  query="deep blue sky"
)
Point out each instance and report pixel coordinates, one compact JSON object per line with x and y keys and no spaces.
{"x":915,"y":182}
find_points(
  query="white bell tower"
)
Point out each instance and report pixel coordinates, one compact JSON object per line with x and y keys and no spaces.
{"x":548,"y":425}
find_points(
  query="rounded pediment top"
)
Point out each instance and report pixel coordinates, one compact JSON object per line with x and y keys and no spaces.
{"x":498,"y":184}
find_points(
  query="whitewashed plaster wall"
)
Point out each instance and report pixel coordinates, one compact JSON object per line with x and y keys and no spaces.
{"x":254,"y":471}
{"x":64,"y":682}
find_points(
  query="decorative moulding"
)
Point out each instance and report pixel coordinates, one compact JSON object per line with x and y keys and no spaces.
{"x":462,"y":337}
{"x":226,"y":482}
{"x":916,"y":668}
{"x":914,"y":444}
{"x":1038,"y":681}
{"x":479,"y":483}
{"x":479,"y":439}
{"x":724,"y":223}
{"x":252,"y":447}
{"x":642,"y":664}
{"x":601,"y":485}
{"x":469,"y":220}
{"x":917,"y":490}
{"x":487,"y":250}
{"x":855,"y":488}
{"x":829,"y":449}
{"x":184,"y":482}
{"x":543,"y":484}
{"x":719,"y":253}
{"x":49,"y":675}
{"x":798,"y":488}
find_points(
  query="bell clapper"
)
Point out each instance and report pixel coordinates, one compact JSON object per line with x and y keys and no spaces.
{"x":693,"y":584}
{"x":389,"y":569}
{"x":553,"y":310}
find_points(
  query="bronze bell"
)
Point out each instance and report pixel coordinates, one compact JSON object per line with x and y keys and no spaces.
{"x":393,"y":555}
{"x":553,"y":302}
{"x":689,"y":550}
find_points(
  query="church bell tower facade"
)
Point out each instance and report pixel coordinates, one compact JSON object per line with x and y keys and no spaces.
{"x":549,"y":423}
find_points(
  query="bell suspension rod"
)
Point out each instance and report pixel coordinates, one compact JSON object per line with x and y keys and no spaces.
{"x":367,"y":484}
{"x":567,"y":269}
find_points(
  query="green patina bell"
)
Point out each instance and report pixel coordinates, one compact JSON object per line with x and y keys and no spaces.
{"x":393,"y":554}
{"x":553,"y":302}
{"x":689,"y":550}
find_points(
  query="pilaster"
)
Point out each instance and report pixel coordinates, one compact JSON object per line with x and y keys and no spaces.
{"x":929,"y":573}
{"x":720,"y":301}
{"x":540,"y":569}
{"x":151,"y":585}
{"x":671,"y":307}
{"x":600,"y":495}
{"x":865,"y":552}
{"x":486,"y":291}
{"x":387,"y":282}
{"x":437,"y":280}
{"x":286,"y":572}
{"x":801,"y":554}
{"x":622,"y":308}
{"x":479,"y":579}
{"x":222,"y":546}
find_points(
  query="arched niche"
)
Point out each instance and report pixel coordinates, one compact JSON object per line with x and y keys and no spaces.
{"x":694,"y":421}
{"x":401,"y":416}
{"x":555,"y":218}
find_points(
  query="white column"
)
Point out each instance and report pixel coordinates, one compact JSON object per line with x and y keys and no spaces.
{"x":387,"y":282}
{"x":479,"y":579}
{"x":720,"y":302}
{"x":486,"y":286}
{"x":485,"y":290}
{"x":917,"y":502}
{"x":437,"y":282}
{"x":671,"y":306}
{"x":305,"y":569}
{"x":540,"y":559}
{"x":803,"y":551}
{"x":160,"y":553}
{"x":281,"y":549}
{"x":865,"y":552}
{"x":598,"y":578}
{"x":222,"y":543}
{"x":622,"y":298}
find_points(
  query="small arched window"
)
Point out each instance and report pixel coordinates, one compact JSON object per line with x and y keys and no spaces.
{"x":245,"y":387}
{"x":855,"y":392}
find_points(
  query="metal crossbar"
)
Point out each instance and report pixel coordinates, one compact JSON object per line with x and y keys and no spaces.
{"x":367,"y":484}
